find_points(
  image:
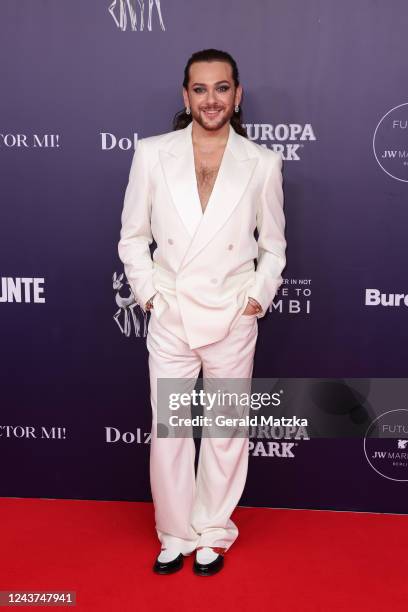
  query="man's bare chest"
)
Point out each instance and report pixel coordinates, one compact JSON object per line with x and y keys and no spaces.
{"x":206,"y":168}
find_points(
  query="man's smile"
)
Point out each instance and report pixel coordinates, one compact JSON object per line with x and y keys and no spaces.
{"x":212,"y":113}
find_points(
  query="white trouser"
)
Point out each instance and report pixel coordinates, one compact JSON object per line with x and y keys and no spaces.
{"x":192,"y":512}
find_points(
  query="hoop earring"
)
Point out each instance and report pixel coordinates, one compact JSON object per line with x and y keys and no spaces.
{"x":237,"y":108}
{"x":188,"y":111}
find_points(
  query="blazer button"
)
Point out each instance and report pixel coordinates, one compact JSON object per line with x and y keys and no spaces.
{"x":170,"y":240}
{"x":230,"y":247}
{"x":213,"y":280}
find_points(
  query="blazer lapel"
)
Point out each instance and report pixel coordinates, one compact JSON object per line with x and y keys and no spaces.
{"x":178,"y":168}
{"x":233,"y":177}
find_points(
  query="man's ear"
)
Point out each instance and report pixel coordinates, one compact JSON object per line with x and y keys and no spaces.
{"x":238,"y":94}
{"x":185,"y":97}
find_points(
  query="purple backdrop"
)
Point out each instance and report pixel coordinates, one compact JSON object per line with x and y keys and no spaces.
{"x":324,"y":84}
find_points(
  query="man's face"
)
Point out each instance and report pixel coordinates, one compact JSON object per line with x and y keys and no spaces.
{"x":211,"y":94}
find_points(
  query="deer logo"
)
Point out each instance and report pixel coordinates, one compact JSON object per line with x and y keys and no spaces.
{"x":128,"y":311}
{"x":119,"y":9}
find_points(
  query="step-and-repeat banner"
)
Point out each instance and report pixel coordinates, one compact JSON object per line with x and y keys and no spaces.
{"x":325,"y":86}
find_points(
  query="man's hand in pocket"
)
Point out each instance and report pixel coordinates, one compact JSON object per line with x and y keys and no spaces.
{"x":252,"y":307}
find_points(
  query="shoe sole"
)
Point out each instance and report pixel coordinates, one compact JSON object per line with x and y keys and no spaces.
{"x":164,"y":572}
{"x":198,"y":572}
{"x":170,"y":570}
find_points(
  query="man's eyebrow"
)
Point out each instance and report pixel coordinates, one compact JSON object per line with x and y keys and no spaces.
{"x":217,"y":83}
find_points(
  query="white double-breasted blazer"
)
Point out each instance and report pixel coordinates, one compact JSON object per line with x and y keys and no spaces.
{"x":203,"y":266}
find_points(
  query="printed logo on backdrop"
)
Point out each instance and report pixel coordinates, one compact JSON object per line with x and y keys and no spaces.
{"x":288,"y":139}
{"x":386,"y":445}
{"x":129,"y":315}
{"x":293,"y":296}
{"x":374,"y":297}
{"x":22,"y":290}
{"x":110,"y":141}
{"x":390,"y":143}
{"x":276,"y":442}
{"x":30,"y":432}
{"x":35,"y":141}
{"x":131,"y":13}
{"x":113,"y":435}
{"x":279,"y":430}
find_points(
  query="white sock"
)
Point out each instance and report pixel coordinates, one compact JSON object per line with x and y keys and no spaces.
{"x":206,"y":555}
{"x":168,"y":555}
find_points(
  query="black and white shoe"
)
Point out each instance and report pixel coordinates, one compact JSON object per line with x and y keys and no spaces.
{"x":207,"y":561}
{"x":168,"y":562}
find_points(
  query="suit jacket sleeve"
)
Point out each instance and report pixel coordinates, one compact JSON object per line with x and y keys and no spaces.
{"x":270,"y":223}
{"x":135,"y":234}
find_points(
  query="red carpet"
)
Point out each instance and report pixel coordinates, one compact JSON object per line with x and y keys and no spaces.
{"x":283,"y":560}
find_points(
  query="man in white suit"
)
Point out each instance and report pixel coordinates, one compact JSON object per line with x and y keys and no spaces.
{"x":200,"y":191}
